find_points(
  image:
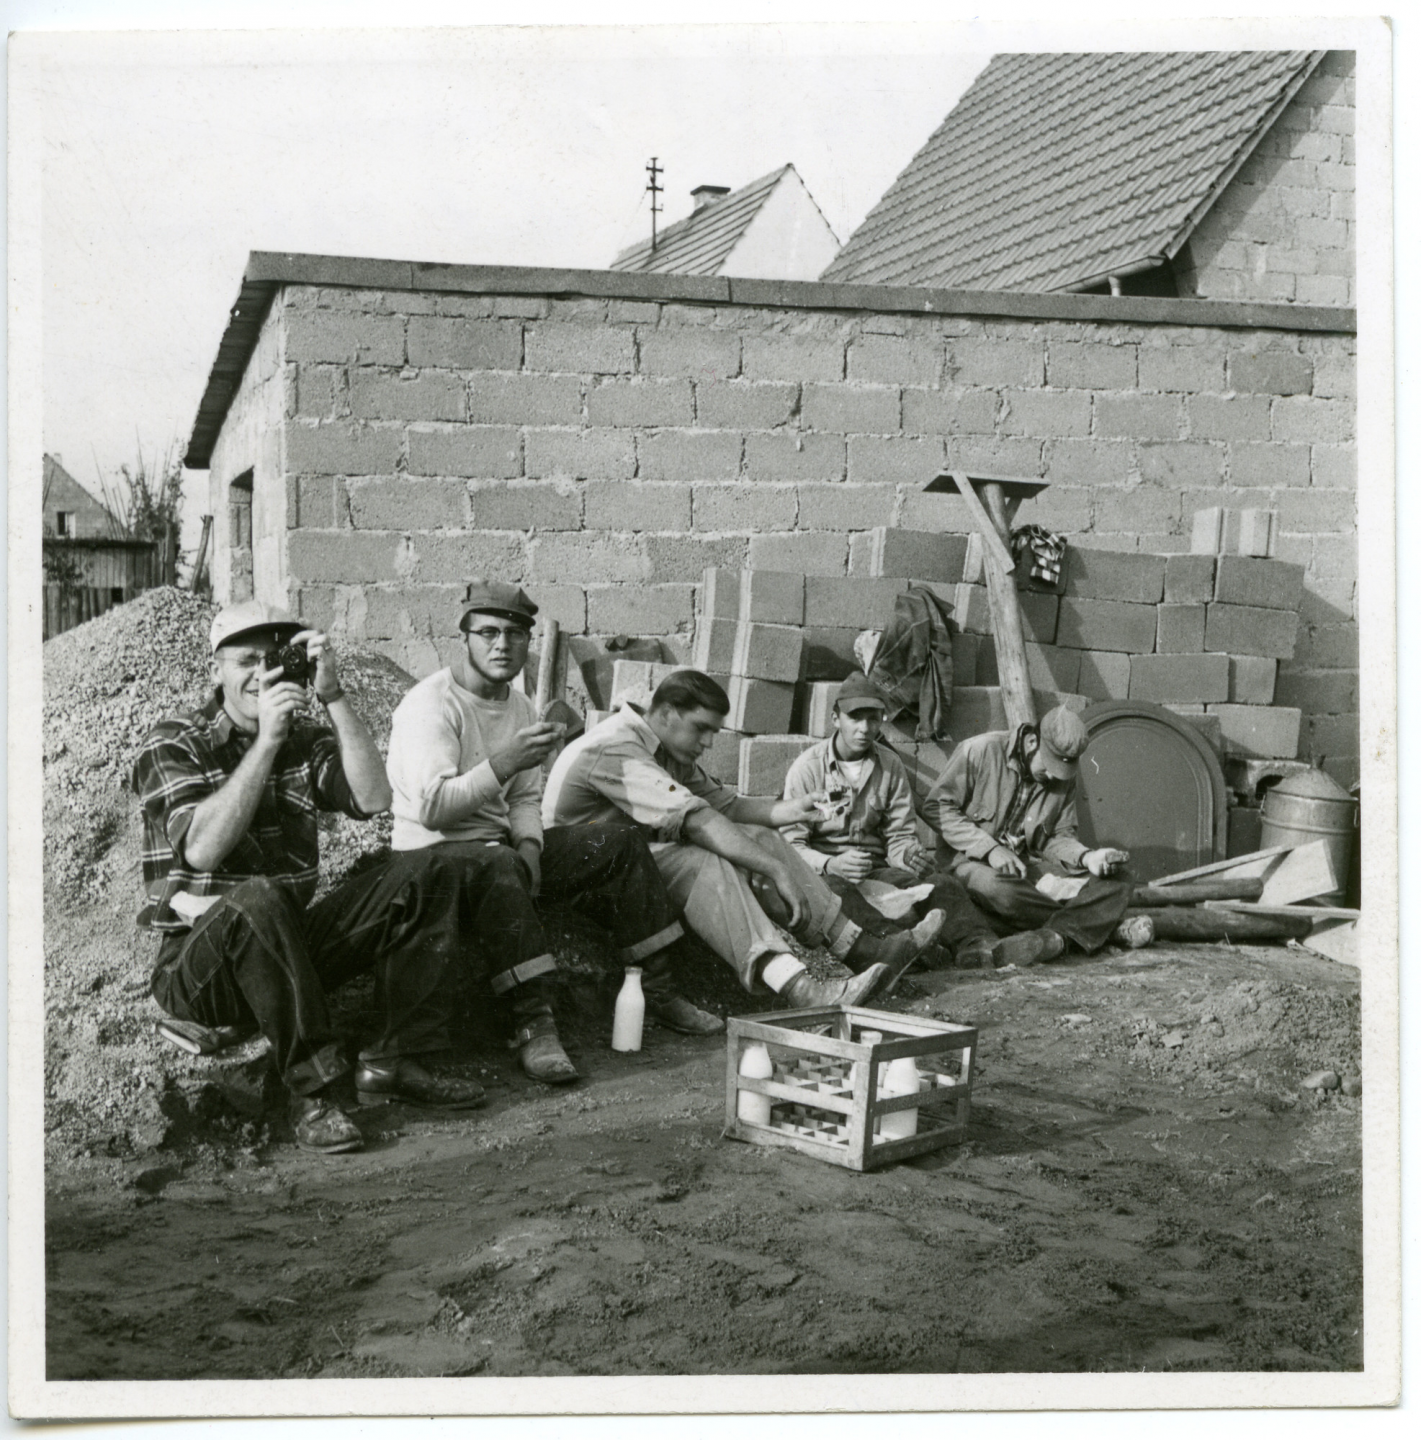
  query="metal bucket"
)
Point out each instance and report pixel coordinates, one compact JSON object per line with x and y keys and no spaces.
{"x":1308,"y":807}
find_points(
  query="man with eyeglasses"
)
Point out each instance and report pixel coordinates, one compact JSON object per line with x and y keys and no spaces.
{"x":465,"y":765}
{"x":1004,"y":809}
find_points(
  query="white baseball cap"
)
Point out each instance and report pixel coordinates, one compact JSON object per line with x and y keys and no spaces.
{"x":252,"y":615}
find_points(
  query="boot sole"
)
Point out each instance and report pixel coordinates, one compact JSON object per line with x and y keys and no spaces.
{"x":381,"y":1097}
{"x":345,"y":1147}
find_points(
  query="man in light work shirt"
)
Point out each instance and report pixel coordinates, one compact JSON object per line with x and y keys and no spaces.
{"x":465,"y":765}
{"x":1005,"y":809}
{"x":707,"y":840}
{"x":866,"y":831}
{"x":230,"y":795}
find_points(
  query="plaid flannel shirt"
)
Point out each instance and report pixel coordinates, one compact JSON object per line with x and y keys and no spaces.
{"x":186,"y":759}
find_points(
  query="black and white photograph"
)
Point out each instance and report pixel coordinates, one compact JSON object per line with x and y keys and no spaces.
{"x":702,"y":718}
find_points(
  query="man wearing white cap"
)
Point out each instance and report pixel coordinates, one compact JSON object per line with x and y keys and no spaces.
{"x":465,"y":765}
{"x":1004,"y":809}
{"x":230,"y":795}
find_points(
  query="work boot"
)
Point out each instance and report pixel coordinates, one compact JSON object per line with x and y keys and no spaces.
{"x":677,"y":1013}
{"x":1134,"y":932}
{"x":406,"y":1079}
{"x":540,"y":1052}
{"x":896,"y":952}
{"x":203,"y":1039}
{"x":804,"y":992}
{"x":1031,"y":947}
{"x":977,"y":953}
{"x":322,"y":1127}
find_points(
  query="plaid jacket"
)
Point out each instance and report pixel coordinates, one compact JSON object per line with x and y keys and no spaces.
{"x":186,"y":759}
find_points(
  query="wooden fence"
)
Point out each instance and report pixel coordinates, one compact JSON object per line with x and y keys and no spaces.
{"x":102,"y":573}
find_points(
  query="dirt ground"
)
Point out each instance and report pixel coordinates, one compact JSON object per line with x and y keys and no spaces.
{"x":1146,"y":1185}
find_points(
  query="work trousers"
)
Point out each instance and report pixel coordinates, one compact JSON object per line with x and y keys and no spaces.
{"x":258,"y":956}
{"x":605,"y":872}
{"x":1088,"y":920}
{"x":964,"y":922}
{"x":718,"y":903}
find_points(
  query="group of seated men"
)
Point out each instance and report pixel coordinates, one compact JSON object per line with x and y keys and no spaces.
{"x":629,"y":830}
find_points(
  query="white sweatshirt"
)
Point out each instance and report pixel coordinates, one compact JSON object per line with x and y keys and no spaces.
{"x":444,"y":787}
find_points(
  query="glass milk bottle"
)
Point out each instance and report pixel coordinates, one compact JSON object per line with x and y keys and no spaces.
{"x":630,"y":1013}
{"x":755,"y":1064}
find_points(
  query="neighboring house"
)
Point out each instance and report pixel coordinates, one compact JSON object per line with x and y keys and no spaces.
{"x":70,"y":512}
{"x":770,"y":230}
{"x":1223,"y":175}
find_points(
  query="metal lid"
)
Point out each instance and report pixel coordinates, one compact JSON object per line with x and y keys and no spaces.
{"x":1311,"y":785}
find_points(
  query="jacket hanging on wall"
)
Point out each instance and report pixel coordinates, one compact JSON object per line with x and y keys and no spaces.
{"x":913,"y":663}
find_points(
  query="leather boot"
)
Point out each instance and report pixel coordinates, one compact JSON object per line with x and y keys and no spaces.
{"x":895,"y":952}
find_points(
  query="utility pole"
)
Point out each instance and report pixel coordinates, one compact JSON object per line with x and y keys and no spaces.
{"x":653,"y":169}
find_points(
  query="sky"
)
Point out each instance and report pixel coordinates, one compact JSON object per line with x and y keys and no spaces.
{"x":167,"y":158}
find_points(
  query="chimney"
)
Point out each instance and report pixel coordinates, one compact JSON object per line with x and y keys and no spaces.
{"x":705,"y":195}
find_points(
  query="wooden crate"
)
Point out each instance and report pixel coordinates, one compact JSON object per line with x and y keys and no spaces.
{"x":824,"y":1090}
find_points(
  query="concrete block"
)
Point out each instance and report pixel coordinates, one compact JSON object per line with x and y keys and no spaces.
{"x":1251,"y":630}
{"x":1046,"y":700}
{"x":1191,"y":369}
{"x":447,"y":558}
{"x":1334,"y":466}
{"x":582,"y":559}
{"x":1228,"y":417}
{"x":1046,"y":413}
{"x":820,"y":553}
{"x":1106,"y":625}
{"x":1270,"y":372}
{"x":1207,"y":535}
{"x":1111,"y":575}
{"x":341,"y":557}
{"x":1256,"y":531}
{"x":765,"y":761}
{"x":795,"y":456}
{"x":949,"y":412}
{"x":768,"y":652}
{"x":829,"y":652}
{"x":483,"y":452}
{"x":917,"y":555}
{"x":1207,"y":725}
{"x":633,"y":679}
{"x":341,"y":449}
{"x":719,"y":597}
{"x":975,"y":710}
{"x":345,"y":338}
{"x":759,"y":707}
{"x":683,"y":559}
{"x":1319,"y":692}
{"x":631,"y":505}
{"x":1245,"y":831}
{"x":316,"y":390}
{"x":845,"y":507}
{"x":745,"y":404}
{"x":714,"y":650}
{"x":722,"y":761}
{"x":895,"y":360}
{"x":1145,"y":509}
{"x":816,"y":707}
{"x":525,"y":399}
{"x":640,"y":402}
{"x":982,"y":360}
{"x":1135,"y":416}
{"x":771,"y":597}
{"x":743,"y":508}
{"x":526,"y":505}
{"x":688,"y":455}
{"x":852,"y":410}
{"x":965,"y":650}
{"x":1188,"y":579}
{"x":1093,"y":367}
{"x":1259,"y":731}
{"x":319,"y":500}
{"x":638,"y":609}
{"x":894,"y":459}
{"x":971,"y":610}
{"x":1182,"y":464}
{"x":849,"y":600}
{"x":580,"y":455}
{"x":1181,"y":630}
{"x":1104,"y":675}
{"x":1272,"y":584}
{"x":405,"y":505}
{"x":458,"y":344}
{"x":1182,"y":679}
{"x":792,"y":357}
{"x":579,"y":349}
{"x":694,"y":353}
{"x":1039,"y":616}
{"x":1051,"y":667}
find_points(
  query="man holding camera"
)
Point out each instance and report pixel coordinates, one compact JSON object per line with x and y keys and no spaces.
{"x":866,"y":830}
{"x":466,"y":757}
{"x":1004,"y":808}
{"x":230,"y":795}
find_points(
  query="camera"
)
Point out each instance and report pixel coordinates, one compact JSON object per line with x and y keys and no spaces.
{"x":294,"y":661}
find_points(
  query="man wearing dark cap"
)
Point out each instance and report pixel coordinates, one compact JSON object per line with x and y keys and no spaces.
{"x":866,"y":829}
{"x":230,"y":794}
{"x":1004,"y":809}
{"x":465,"y":764}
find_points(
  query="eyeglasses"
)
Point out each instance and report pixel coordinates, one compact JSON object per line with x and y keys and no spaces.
{"x":490,"y":635}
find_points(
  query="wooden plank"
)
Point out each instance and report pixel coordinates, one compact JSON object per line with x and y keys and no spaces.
{"x":1314,"y":912}
{"x":1179,"y":922}
{"x":1240,"y":865}
{"x":1191,"y":892}
{"x":986,"y":525}
{"x":1339,"y":941}
{"x":1307,"y":871}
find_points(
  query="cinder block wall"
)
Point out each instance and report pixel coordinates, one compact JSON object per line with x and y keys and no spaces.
{"x":1285,"y":226}
{"x":605,"y":451}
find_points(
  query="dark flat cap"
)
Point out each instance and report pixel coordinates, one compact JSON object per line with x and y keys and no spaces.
{"x":493,"y":597}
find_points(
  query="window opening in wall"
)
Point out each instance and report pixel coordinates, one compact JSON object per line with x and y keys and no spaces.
{"x":64,"y":524}
{"x":239,"y":530}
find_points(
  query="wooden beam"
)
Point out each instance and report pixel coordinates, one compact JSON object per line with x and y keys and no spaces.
{"x":1240,"y":864}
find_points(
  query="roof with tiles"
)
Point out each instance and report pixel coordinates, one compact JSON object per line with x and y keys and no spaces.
{"x":701,"y":243}
{"x":1055,"y":171}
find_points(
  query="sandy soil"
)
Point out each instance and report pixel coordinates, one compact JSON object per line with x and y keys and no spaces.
{"x":1145,"y":1186}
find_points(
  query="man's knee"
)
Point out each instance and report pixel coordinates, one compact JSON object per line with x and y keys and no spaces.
{"x":259,"y":901}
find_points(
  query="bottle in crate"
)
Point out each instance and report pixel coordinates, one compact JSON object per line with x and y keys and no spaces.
{"x":900,"y":1078}
{"x":755,"y":1064}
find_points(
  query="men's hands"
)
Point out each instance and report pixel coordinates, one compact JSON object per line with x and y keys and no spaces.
{"x":1007,"y":862}
{"x":918,"y":860}
{"x":528,"y":748}
{"x":277,"y":701}
{"x":532,"y":855}
{"x":851,"y":865}
{"x":1105,"y":861}
{"x":323,"y":657}
{"x":797,"y":809}
{"x":791,"y":894}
